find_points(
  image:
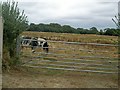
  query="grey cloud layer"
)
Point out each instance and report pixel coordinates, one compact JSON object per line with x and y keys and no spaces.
{"x":73,"y":12}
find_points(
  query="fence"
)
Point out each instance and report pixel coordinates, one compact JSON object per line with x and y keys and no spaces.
{"x":70,"y":56}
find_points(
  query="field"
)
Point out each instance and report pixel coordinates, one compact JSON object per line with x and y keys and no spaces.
{"x":64,"y":53}
{"x":86,"y":38}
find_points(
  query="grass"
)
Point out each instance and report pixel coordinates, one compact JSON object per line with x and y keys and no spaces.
{"x":86,"y":38}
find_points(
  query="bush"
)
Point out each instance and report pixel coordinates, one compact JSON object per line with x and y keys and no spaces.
{"x":15,"y":22}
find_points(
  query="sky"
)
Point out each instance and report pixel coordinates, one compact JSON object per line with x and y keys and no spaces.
{"x":76,"y":13}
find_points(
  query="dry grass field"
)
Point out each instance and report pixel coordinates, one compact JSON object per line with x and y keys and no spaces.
{"x":86,"y":38}
{"x":63,"y":53}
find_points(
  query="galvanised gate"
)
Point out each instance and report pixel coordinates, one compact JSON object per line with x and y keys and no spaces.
{"x":72,"y":56}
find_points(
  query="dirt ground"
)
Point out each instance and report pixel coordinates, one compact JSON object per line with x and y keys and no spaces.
{"x":22,"y":79}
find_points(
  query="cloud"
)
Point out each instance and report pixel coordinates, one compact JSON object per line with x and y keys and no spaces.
{"x":77,"y":13}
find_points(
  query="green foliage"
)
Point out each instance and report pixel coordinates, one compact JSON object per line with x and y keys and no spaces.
{"x":82,"y":31}
{"x":112,"y":32}
{"x":14,"y":61}
{"x":15,"y":22}
{"x":54,"y":27}
{"x":94,"y":30}
{"x":101,"y":32}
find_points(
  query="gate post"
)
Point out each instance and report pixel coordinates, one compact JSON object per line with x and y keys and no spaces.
{"x":1,"y":49}
{"x":18,"y":46}
{"x":119,"y":44}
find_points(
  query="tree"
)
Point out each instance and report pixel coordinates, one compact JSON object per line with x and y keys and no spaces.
{"x":112,"y":31}
{"x":82,"y":31}
{"x":14,"y":23}
{"x":68,"y":29}
{"x":117,"y":20}
{"x":101,"y":32}
{"x":93,"y":30}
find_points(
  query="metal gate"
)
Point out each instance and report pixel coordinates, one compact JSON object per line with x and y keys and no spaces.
{"x":72,"y":56}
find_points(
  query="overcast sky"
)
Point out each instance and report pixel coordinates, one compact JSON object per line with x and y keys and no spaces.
{"x":77,"y":13}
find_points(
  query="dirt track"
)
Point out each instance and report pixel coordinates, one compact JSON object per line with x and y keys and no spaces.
{"x":17,"y":79}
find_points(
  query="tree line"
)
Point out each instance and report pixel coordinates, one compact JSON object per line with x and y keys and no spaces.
{"x":55,"y":27}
